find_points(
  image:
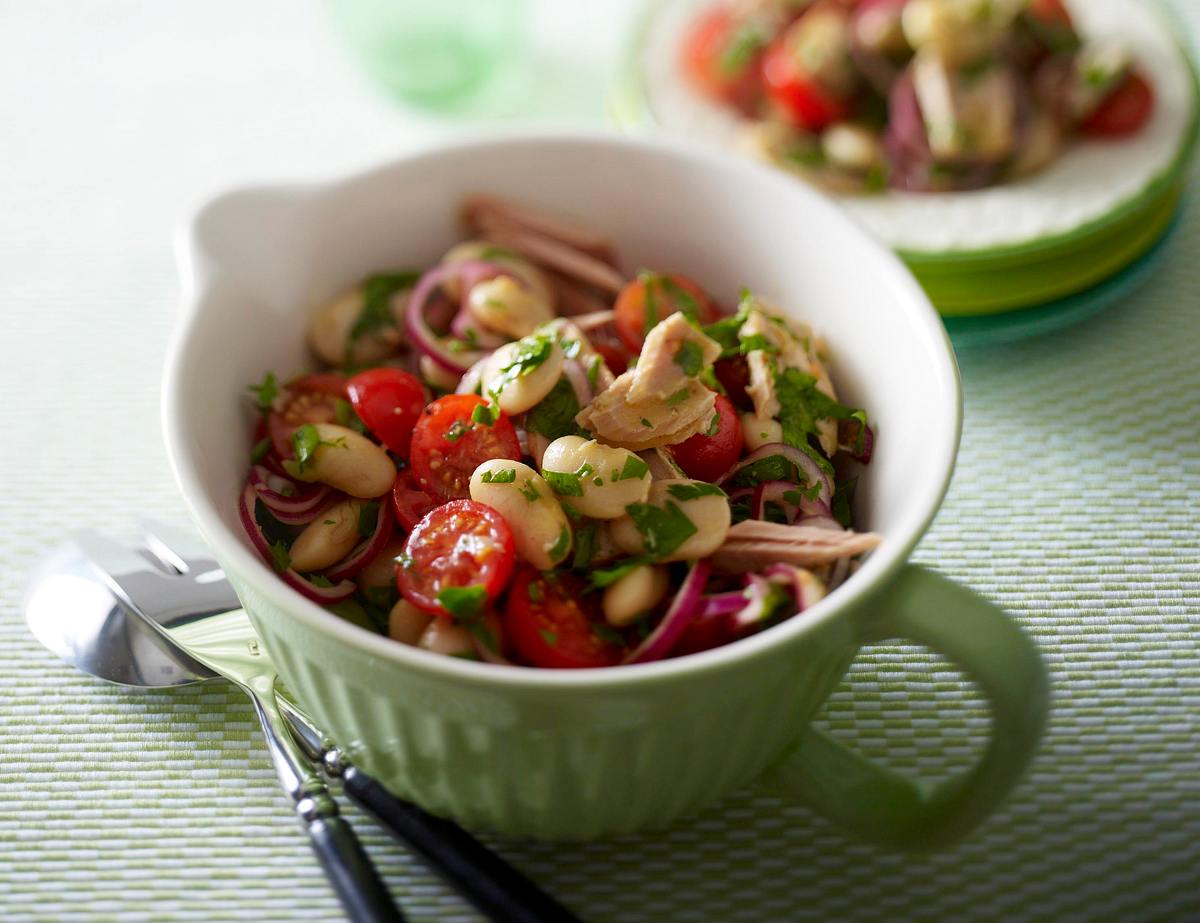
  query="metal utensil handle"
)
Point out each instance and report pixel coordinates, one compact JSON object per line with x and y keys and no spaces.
{"x":350,"y":871}
{"x":495,"y":888}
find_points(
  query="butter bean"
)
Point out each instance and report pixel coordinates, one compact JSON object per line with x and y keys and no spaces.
{"x":328,"y":538}
{"x":347,"y":461}
{"x":607,"y":479}
{"x":540,"y":529}
{"x":634,"y":594}
{"x":407,"y":623}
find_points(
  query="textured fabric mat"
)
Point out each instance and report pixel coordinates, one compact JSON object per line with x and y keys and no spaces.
{"x":1076,"y":506}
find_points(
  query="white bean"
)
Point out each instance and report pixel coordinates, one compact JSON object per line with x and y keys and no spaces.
{"x":601,"y":480}
{"x":517,"y":390}
{"x":708,"y":513}
{"x":442,"y":636}
{"x":329,"y":332}
{"x":852,"y":146}
{"x":328,"y":538}
{"x":348,"y":461}
{"x":504,"y":305}
{"x":540,"y":529}
{"x":407,"y":623}
{"x":760,"y":431}
{"x":634,"y":594}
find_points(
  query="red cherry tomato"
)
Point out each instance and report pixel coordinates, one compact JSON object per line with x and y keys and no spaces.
{"x":448,"y":445}
{"x":612,"y":351}
{"x":388,"y":401}
{"x":706,"y":457}
{"x":1124,"y":112}
{"x":653,"y":296}
{"x":550,"y":622}
{"x":801,"y":97}
{"x":309,"y":399}
{"x":710,"y":58}
{"x":461,"y":544}
{"x":410,"y":502}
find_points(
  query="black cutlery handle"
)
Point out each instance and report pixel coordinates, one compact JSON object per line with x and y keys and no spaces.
{"x":497,"y":890}
{"x":364,"y":896}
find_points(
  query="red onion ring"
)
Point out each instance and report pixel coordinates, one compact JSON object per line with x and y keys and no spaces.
{"x":806,"y":589}
{"x":718,"y":604}
{"x":809,"y":470}
{"x":683,"y":610}
{"x":323,"y":595}
{"x":579,"y":382}
{"x":294,"y":509}
{"x":367,"y":550}
{"x":416,"y":324}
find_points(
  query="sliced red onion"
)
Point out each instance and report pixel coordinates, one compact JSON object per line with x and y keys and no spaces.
{"x":323,"y":595}
{"x":806,"y":588}
{"x":288,"y":502}
{"x":367,"y":550}
{"x":663,"y":465}
{"x":579,"y":382}
{"x":718,"y":604}
{"x":683,"y":610}
{"x":776,"y":491}
{"x":416,"y":322}
{"x":755,"y":608}
{"x":809,"y":470}
{"x":593,"y":321}
{"x":466,"y":328}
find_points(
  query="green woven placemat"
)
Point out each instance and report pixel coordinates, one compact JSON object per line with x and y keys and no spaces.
{"x":1074,"y":507}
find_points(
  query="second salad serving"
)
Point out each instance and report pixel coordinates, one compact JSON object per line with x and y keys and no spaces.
{"x":522,"y":456}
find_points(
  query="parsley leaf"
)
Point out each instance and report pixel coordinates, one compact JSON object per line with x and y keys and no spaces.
{"x":757,"y":341}
{"x":457,"y":430}
{"x":530,"y":353}
{"x":606,"y":576}
{"x":585,"y":546}
{"x":663,"y":529}
{"x":563,"y":483}
{"x":376,"y":312}
{"x":529,"y":491}
{"x":503,"y":476}
{"x":368,"y":519}
{"x":280,"y":557}
{"x":344,"y":415}
{"x":840,"y":503}
{"x":678,"y":397}
{"x":463,"y":602}
{"x":694,"y":491}
{"x":265,"y":393}
{"x":634,"y":467}
{"x":548,"y":636}
{"x":804,"y":405}
{"x":554,"y":415}
{"x":561,"y":545}
{"x":690,"y":358}
{"x":486,"y":414}
{"x":261,"y":450}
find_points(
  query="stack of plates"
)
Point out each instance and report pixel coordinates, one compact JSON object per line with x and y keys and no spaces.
{"x":1016,"y":259}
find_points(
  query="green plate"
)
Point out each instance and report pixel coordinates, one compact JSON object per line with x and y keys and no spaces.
{"x":1011,"y":326}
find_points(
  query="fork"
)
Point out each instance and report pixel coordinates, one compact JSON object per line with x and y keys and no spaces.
{"x":172,"y":580}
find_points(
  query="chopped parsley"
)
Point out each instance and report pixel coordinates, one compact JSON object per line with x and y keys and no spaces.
{"x":368,"y":519}
{"x":690,"y":358}
{"x":320,"y":580}
{"x":646,"y":423}
{"x":740,"y":50}
{"x":840,"y":503}
{"x":280,"y":557}
{"x":634,"y":467}
{"x":770,"y":468}
{"x":663,"y":529}
{"x":483,"y":632}
{"x":463,"y":602}
{"x":561,"y":545}
{"x":564,"y":483}
{"x":678,"y":397}
{"x":607,"y":576}
{"x":266,"y":392}
{"x":757,"y":341}
{"x":529,"y":491}
{"x":593,"y":372}
{"x":585,"y":546}
{"x":344,"y":415}
{"x":804,"y":405}
{"x":305,"y":442}
{"x":486,"y":414}
{"x":261,"y":450}
{"x":457,"y":430}
{"x":650,"y":301}
{"x":548,"y":636}
{"x":554,"y":415}
{"x":570,"y":348}
{"x":694,"y":491}
{"x":376,"y":313}
{"x":530,"y":353}
{"x":534,"y":591}
{"x":492,"y":252}
{"x":714,"y":425}
{"x":503,"y":476}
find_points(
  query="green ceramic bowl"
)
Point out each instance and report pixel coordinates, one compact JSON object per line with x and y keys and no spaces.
{"x":576,"y":754}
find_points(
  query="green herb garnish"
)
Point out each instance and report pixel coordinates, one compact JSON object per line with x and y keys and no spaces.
{"x":554,"y":415}
{"x":634,"y":467}
{"x":529,"y":492}
{"x":261,"y":450}
{"x":457,"y":430}
{"x":376,"y":313}
{"x":305,"y":442}
{"x":690,"y":358}
{"x":463,"y":602}
{"x":561,"y":545}
{"x":803,"y":405}
{"x":694,"y":491}
{"x":503,"y":476}
{"x":486,"y":414}
{"x":368,"y":519}
{"x":563,"y":483}
{"x":280,"y":557}
{"x":663,"y":529}
{"x":266,"y":392}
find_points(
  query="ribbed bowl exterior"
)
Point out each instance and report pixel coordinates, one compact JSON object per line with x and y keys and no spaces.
{"x":577,"y":764}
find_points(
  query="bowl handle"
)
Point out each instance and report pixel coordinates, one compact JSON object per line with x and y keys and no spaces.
{"x":876,"y":804}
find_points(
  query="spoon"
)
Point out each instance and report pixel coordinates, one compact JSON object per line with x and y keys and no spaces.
{"x":83,"y":604}
{"x":78,"y":615}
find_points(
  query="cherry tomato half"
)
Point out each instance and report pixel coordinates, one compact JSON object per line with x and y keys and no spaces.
{"x":652,"y":297}
{"x":810,"y":105}
{"x":388,"y":401}
{"x":459,"y":545}
{"x":1124,"y":112}
{"x":551,"y":622}
{"x":713,"y":59}
{"x":448,"y":444}
{"x":706,"y":457}
{"x":409,"y":501}
{"x":309,"y":399}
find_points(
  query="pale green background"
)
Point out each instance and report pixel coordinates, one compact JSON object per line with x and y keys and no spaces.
{"x":1076,"y":506}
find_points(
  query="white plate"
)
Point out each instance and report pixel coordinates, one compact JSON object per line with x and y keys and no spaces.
{"x":1091,"y":180}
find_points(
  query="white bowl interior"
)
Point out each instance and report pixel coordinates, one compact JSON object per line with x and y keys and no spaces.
{"x":258,"y":261}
